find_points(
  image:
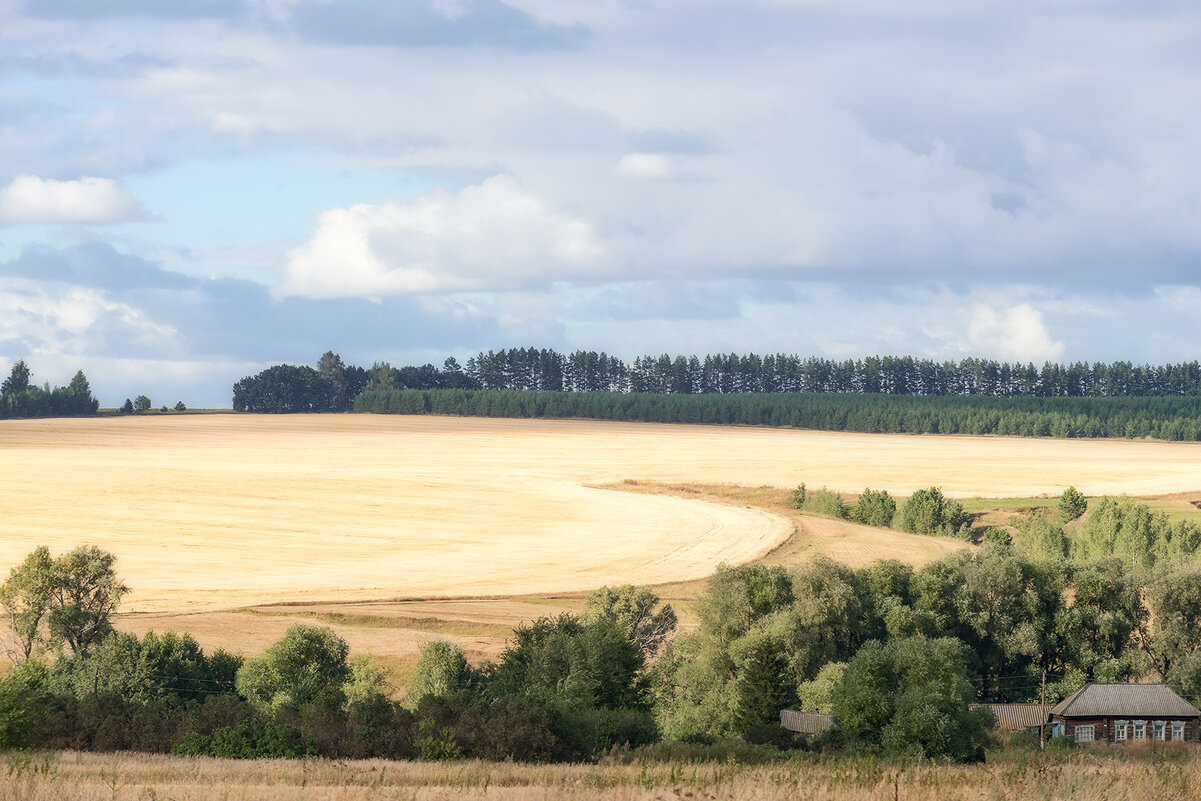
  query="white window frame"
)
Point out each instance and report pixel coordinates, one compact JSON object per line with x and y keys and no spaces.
{"x":1085,"y":734}
{"x":1178,"y":730}
{"x":1160,"y":730}
{"x":1140,"y":730}
{"x":1121,"y":730}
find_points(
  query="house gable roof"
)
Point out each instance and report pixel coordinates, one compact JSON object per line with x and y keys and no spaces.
{"x":1125,"y":700}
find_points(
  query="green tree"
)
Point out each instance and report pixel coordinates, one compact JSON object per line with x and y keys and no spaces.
{"x":307,"y":666}
{"x":1096,"y":634}
{"x":142,"y":404}
{"x":442,"y":669}
{"x":127,"y":407}
{"x":333,"y":374}
{"x":927,"y":512}
{"x":86,"y":591}
{"x":911,"y":698}
{"x":27,"y":596}
{"x":1072,"y":504}
{"x":634,"y":610}
{"x":874,"y":508}
{"x":564,"y":659}
{"x":79,"y":393}
{"x":817,"y":695}
{"x":17,"y":381}
{"x":736,"y":597}
{"x":796,"y":498}
{"x":179,"y":406}
{"x":1042,"y":538}
{"x":1174,"y":598}
{"x":382,"y":376}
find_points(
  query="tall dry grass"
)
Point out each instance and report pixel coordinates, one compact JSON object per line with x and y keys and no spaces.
{"x":1081,"y":775}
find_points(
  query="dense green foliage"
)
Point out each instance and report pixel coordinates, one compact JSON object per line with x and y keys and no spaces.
{"x":308,"y":666}
{"x":442,"y":670}
{"x":824,"y":502}
{"x":634,"y":610}
{"x":1172,"y":418}
{"x":874,"y":508}
{"x":1072,"y":504}
{"x":926,"y":511}
{"x":250,"y":739}
{"x":910,"y":697}
{"x":21,"y":398}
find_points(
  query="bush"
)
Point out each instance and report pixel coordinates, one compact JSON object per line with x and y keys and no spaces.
{"x":874,"y":508}
{"x":928,"y":512}
{"x":997,"y":536}
{"x":1072,"y":504}
{"x":826,"y":502}
{"x":251,"y":739}
{"x":796,"y":498}
{"x":434,"y":742}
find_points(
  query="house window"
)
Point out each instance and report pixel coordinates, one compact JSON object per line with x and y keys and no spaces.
{"x":1085,"y":734}
{"x":1160,"y":730}
{"x":1120,"y":729}
{"x":1140,"y":729}
{"x":1178,"y":730}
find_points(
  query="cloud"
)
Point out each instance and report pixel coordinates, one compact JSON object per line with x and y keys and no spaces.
{"x":174,"y":9}
{"x":92,"y":264}
{"x":30,"y":199}
{"x":1016,"y":334}
{"x":494,"y":235}
{"x":440,"y":23}
{"x":644,"y":165}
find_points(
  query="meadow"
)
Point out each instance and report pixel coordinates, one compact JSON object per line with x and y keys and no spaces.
{"x":112,"y":777}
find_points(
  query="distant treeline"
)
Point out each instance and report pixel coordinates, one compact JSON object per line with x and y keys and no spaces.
{"x":19,"y":397}
{"x":588,"y":371}
{"x":1170,"y":418}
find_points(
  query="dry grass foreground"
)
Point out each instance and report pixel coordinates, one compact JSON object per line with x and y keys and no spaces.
{"x":124,"y":777}
{"x":220,"y":511}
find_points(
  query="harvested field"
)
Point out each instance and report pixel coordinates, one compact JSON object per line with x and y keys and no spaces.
{"x":221,"y":511}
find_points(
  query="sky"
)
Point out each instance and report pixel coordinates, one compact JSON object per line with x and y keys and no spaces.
{"x":193,"y":190}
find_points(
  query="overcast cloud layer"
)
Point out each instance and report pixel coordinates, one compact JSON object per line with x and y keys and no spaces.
{"x":192,"y":190}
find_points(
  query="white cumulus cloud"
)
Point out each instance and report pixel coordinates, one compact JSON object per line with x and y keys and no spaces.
{"x":30,"y":199}
{"x":492,"y":235}
{"x":644,"y":165}
{"x":1015,"y":334}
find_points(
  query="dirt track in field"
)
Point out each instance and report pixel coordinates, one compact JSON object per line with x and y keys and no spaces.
{"x":222,"y":511}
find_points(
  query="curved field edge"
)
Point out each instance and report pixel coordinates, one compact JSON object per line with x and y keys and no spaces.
{"x":221,"y":511}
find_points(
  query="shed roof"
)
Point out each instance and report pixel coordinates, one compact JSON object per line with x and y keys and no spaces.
{"x":1125,"y":700}
{"x":1015,"y":717}
{"x":805,"y":722}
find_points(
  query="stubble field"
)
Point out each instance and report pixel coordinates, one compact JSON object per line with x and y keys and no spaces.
{"x":222,"y":511}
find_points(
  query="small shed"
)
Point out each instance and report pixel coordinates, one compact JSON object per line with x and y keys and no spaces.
{"x":1018,"y":717}
{"x":805,"y":722}
{"x":1124,"y":712}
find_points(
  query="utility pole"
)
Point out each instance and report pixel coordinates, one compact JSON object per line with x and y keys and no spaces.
{"x":1042,"y":719}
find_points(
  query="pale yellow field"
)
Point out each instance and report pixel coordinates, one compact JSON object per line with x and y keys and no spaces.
{"x":221,"y":511}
